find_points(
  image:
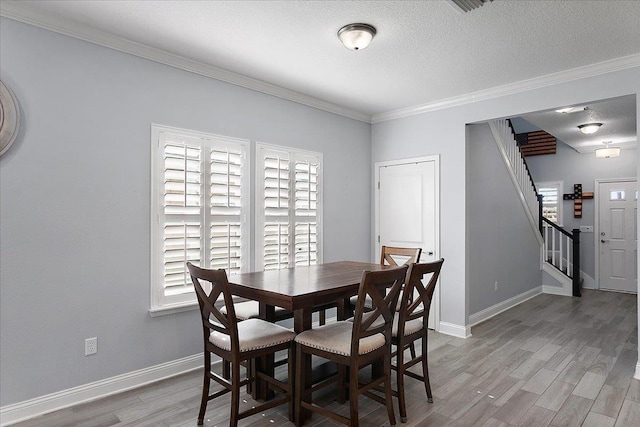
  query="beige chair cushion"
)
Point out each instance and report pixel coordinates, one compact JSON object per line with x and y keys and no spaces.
{"x":409,"y":327}
{"x":336,"y":338}
{"x":254,"y":334}
{"x":248,"y":310}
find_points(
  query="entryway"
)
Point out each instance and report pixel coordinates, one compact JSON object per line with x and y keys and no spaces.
{"x":617,"y":244}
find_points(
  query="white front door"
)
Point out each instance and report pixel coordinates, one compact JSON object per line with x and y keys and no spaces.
{"x":407,"y":209}
{"x":617,"y":239}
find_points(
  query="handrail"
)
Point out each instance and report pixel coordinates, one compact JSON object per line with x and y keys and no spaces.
{"x":526,"y":166}
{"x":557,"y":227}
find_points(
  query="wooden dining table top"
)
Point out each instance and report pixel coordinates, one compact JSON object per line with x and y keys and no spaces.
{"x":302,"y":286}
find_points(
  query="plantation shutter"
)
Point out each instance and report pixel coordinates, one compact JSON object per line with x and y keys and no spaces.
{"x":182,"y":209}
{"x":199,"y":194}
{"x":550,"y":203}
{"x":306,"y":201}
{"x":226,"y":210}
{"x":290,"y":204}
{"x":276,"y":211}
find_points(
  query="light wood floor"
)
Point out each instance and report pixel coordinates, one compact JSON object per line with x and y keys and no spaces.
{"x":550,"y":361}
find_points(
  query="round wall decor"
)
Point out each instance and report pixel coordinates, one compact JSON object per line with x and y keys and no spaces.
{"x":9,"y":118}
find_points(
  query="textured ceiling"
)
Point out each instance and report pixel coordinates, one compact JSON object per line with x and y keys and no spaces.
{"x":424,"y":52}
{"x":618,"y":116}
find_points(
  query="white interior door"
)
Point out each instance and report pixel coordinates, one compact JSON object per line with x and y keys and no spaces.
{"x":407,"y":209}
{"x":617,"y":240}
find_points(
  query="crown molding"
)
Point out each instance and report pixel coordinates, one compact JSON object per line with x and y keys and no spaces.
{"x":590,"y":70}
{"x":23,"y":13}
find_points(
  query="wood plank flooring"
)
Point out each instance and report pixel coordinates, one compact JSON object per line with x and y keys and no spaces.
{"x":551,"y":361}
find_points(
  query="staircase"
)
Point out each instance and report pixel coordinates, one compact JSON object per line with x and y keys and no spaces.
{"x":559,"y":248}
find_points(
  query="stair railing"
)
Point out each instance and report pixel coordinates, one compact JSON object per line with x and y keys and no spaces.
{"x":562,"y":250}
{"x":518,"y":171}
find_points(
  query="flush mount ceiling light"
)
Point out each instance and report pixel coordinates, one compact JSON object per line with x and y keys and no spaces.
{"x":570,"y":109}
{"x":356,"y":36}
{"x":590,"y":128}
{"x":607,"y":152}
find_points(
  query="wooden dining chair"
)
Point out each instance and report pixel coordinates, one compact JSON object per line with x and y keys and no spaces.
{"x":411,"y":324}
{"x":354,"y":345}
{"x":390,"y":255}
{"x":237,"y":342}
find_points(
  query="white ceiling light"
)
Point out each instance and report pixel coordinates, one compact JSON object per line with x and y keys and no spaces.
{"x":570,"y":109}
{"x":607,"y":152}
{"x":356,"y":36}
{"x":590,"y":128}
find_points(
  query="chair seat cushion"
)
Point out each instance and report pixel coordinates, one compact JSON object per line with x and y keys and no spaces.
{"x":336,"y":338}
{"x":254,"y":334}
{"x":409,"y":327}
{"x":248,"y":310}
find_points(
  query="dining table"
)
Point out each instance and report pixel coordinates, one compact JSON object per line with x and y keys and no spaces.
{"x":300,"y":290}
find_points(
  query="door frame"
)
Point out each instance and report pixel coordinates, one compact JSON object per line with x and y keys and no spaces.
{"x":596,"y":219}
{"x":376,"y":231}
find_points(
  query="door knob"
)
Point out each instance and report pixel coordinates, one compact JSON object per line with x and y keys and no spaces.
{"x":603,"y":241}
{"x":430,"y":253}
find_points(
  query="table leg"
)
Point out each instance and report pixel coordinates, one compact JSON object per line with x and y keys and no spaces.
{"x":301,"y":323}
{"x":264,"y":364}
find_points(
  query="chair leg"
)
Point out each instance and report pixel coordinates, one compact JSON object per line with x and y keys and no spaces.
{"x":291,"y":360}
{"x":226,"y":369}
{"x":299,"y":386}
{"x":235,"y":394}
{"x":425,"y":368}
{"x":402,"y":405}
{"x":205,"y":387}
{"x":342,"y":383}
{"x":322,"y":315}
{"x":412,"y":348}
{"x":387,"y":388}
{"x":353,"y":395}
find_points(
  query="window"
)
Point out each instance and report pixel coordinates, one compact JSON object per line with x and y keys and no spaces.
{"x":199,"y":210}
{"x":289,"y":202}
{"x":552,"y":200}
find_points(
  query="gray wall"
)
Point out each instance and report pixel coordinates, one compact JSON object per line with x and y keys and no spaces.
{"x":74,"y":202}
{"x":571,"y":167}
{"x":443,"y":132}
{"x":501,"y":244}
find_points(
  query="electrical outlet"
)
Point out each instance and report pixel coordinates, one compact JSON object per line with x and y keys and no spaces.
{"x":496,"y":286}
{"x":90,"y":346}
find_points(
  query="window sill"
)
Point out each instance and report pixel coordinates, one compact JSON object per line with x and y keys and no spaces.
{"x":185,"y":306}
{"x":172,"y":309}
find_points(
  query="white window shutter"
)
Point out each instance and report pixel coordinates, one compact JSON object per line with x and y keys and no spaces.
{"x":199,"y":194}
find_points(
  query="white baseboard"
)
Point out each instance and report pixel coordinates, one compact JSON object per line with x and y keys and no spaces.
{"x":588,"y":282}
{"x":637,"y":374}
{"x":455,"y":330}
{"x":505,"y":305}
{"x":21,"y":411}
{"x":556,"y":290}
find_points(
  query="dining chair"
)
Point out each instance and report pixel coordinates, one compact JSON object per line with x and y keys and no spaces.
{"x":237,"y":342}
{"x":390,"y":255}
{"x":353,"y":345}
{"x":411,"y":324}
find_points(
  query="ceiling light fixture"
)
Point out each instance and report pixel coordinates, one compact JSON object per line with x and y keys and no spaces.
{"x":570,"y":110}
{"x":589,"y":128}
{"x":607,"y":152}
{"x":356,"y":36}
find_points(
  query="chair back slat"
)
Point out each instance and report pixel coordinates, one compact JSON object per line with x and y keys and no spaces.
{"x":212,"y":318}
{"x":416,"y":298}
{"x":383,"y":287}
{"x":387,"y":254}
